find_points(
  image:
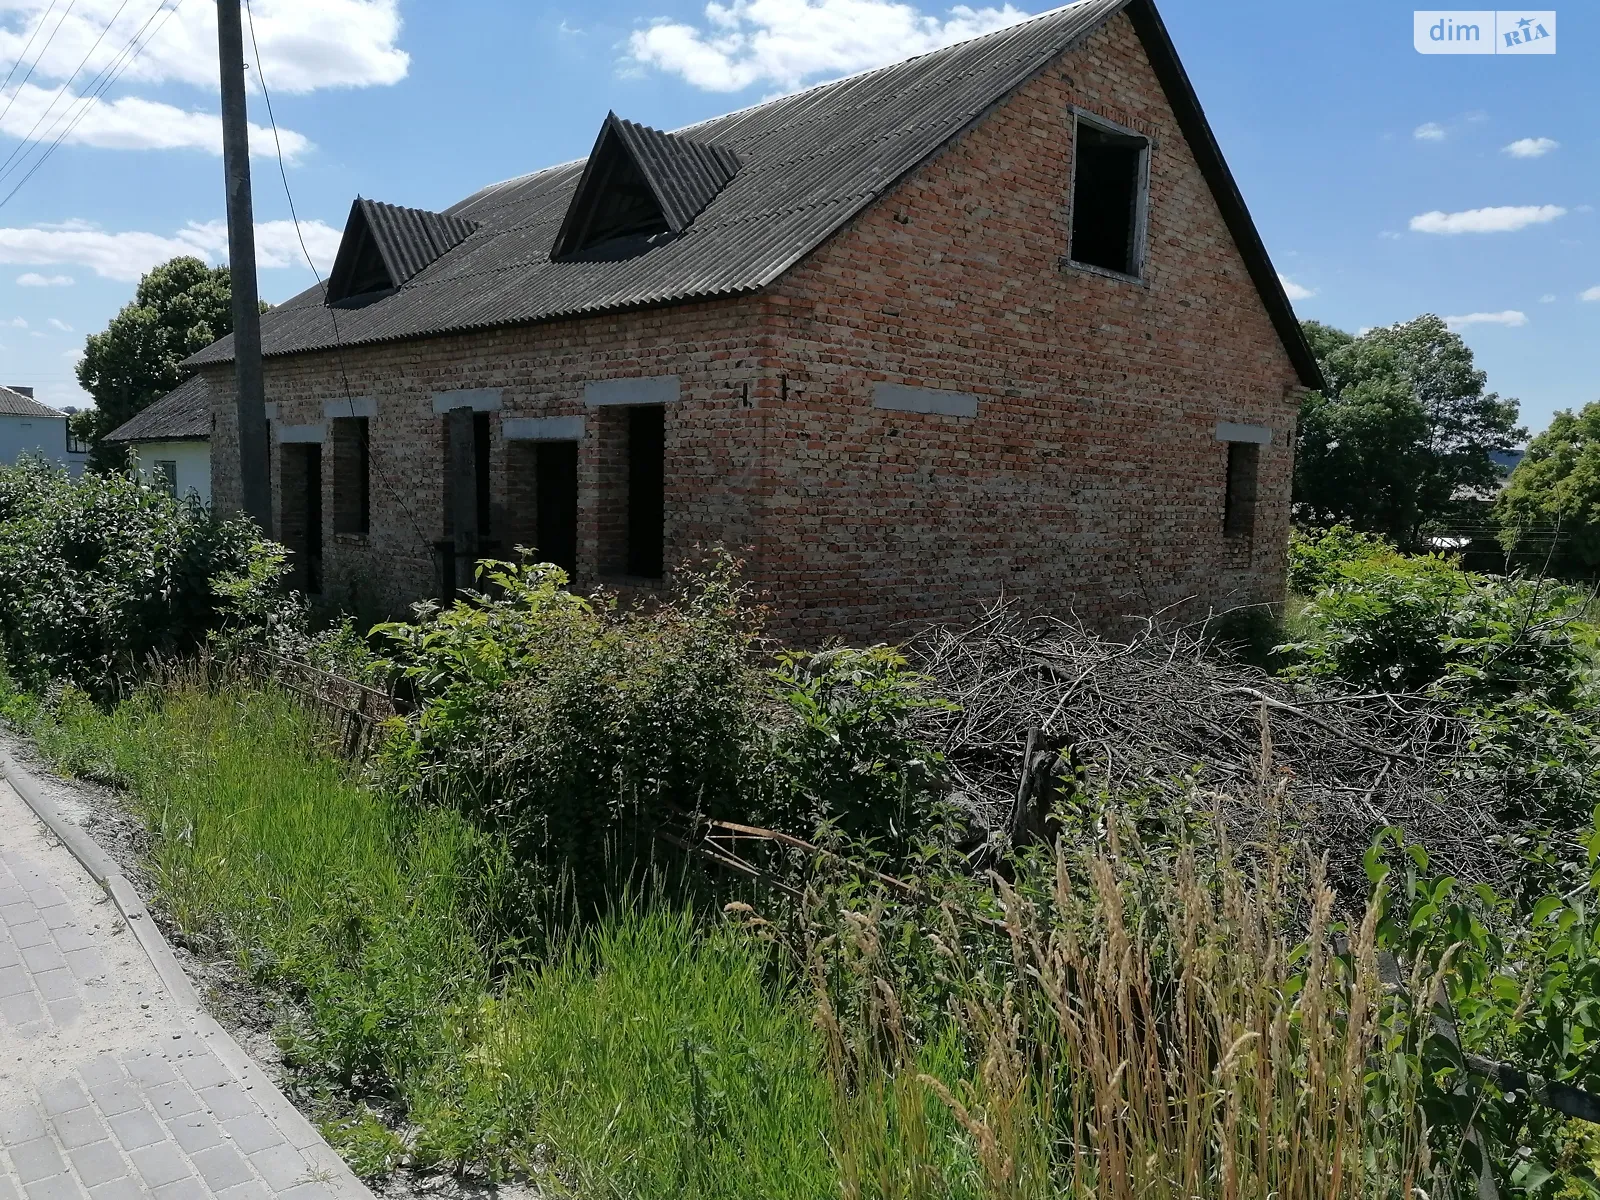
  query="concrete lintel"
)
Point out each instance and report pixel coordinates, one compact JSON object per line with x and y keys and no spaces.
{"x":1230,"y":431}
{"x":289,"y":434}
{"x":542,"y":429}
{"x":355,"y":406}
{"x":477,"y":399}
{"x":898,"y":397}
{"x":272,"y":410}
{"x":651,"y":389}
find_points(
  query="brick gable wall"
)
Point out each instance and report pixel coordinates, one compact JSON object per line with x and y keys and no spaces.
{"x":1089,"y":480}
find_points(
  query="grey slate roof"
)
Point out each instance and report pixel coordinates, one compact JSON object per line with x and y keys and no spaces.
{"x":15,"y":404}
{"x":407,"y":239}
{"x":183,"y":414}
{"x":807,"y":163}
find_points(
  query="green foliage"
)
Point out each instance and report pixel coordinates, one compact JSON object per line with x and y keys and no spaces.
{"x":1317,"y":557}
{"x":575,"y":729}
{"x":848,"y":756}
{"x":1405,"y":425}
{"x":1512,"y":657}
{"x":98,"y":573}
{"x":180,"y":307}
{"x":1557,"y":486}
{"x":1520,"y":980}
{"x":643,"y":1056}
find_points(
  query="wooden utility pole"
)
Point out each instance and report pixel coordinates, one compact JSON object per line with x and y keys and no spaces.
{"x":255,"y":490}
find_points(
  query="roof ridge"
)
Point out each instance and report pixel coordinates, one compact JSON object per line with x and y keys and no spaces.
{"x":15,"y":404}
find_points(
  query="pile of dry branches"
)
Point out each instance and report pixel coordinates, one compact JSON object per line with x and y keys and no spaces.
{"x":1163,"y":710}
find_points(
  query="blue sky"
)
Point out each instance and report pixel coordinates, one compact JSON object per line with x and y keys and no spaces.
{"x":1384,"y":182}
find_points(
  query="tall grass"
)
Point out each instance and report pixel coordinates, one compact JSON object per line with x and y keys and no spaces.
{"x":1146,"y":1028}
{"x":644,"y":1056}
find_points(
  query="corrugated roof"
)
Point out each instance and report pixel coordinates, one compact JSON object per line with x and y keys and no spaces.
{"x":807,"y":164}
{"x":684,"y":173}
{"x":183,"y":414}
{"x":15,"y":404}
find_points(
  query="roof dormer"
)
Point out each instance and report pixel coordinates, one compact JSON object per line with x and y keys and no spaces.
{"x":640,"y":187}
{"x":384,"y":246}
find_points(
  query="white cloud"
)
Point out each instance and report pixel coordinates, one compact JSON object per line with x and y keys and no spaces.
{"x":34,"y":279}
{"x":58,"y":324}
{"x":1430,"y":131}
{"x":1591,"y":295}
{"x":1531,"y":147}
{"x":15,"y":323}
{"x":126,"y":256}
{"x":1486,"y":220}
{"x":1390,"y":235}
{"x":1548,"y":298}
{"x":785,"y":43}
{"x":127,"y":123}
{"x":1511,"y":319}
{"x":305,"y":44}
{"x":1294,"y":290}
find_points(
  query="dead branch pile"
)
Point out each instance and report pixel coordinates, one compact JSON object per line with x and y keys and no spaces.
{"x":1164,"y":711}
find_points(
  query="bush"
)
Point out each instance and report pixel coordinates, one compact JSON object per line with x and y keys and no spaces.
{"x":1317,"y":558}
{"x":574,"y":728}
{"x":1512,"y":657}
{"x":98,"y":573}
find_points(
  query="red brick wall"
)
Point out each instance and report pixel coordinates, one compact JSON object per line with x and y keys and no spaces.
{"x":710,"y":443}
{"x":1090,"y":478}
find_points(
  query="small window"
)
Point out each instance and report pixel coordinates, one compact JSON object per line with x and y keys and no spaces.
{"x":75,"y":444}
{"x":352,"y":476}
{"x":1109,"y":175}
{"x":164,"y":476}
{"x":1239,"y":508}
{"x":646,"y":490}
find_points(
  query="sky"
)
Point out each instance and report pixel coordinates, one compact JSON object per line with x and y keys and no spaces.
{"x":1385,"y":183}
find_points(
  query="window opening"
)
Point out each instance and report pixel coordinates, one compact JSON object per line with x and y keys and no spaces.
{"x":1239,"y":508}
{"x":352,"y":476}
{"x":555,"y":475}
{"x":300,"y":492}
{"x":646,"y":490}
{"x":1108,"y":198}
{"x":166,"y":476}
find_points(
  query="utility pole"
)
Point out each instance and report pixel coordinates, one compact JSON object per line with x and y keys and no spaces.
{"x":255,"y":490}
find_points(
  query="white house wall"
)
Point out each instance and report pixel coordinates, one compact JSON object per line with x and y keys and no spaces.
{"x":37,"y":435}
{"x":194,"y":465}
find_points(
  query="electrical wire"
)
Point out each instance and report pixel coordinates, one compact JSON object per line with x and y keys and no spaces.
{"x":11,"y":74}
{"x":62,"y":90}
{"x":102,"y":83}
{"x":338,"y":340}
{"x":40,"y":56}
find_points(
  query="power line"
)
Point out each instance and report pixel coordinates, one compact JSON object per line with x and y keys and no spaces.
{"x":43,"y":50}
{"x":338,"y":340}
{"x":106,"y":78}
{"x":12,"y":73}
{"x":62,"y":90}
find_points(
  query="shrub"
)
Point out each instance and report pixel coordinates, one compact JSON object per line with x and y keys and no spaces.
{"x":576,"y":728}
{"x":1317,"y":558}
{"x":846,"y":753}
{"x":98,"y":573}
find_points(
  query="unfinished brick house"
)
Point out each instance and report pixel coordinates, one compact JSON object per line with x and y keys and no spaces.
{"x":994,"y":319}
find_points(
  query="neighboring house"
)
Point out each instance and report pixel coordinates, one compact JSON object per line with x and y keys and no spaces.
{"x":28,"y":427}
{"x":991,"y":321}
{"x":170,"y":441}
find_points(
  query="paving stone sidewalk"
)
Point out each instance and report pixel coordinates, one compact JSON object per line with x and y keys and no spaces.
{"x":109,"y":1087}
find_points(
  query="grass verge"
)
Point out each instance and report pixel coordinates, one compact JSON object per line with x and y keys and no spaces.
{"x":645,"y":1055}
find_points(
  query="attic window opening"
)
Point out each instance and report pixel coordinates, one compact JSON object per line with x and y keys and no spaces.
{"x":1110,"y":192}
{"x":639,"y":188}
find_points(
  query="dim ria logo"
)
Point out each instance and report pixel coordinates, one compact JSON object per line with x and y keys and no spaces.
{"x":1469,"y":31}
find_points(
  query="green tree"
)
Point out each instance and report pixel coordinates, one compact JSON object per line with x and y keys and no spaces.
{"x":1405,"y":425}
{"x":180,"y":307}
{"x":1557,"y":486}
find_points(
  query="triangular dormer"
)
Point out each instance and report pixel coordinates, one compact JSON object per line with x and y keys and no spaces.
{"x":385,"y":245}
{"x":639,"y":187}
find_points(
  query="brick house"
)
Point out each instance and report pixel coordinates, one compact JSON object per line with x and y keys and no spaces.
{"x":992,"y":319}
